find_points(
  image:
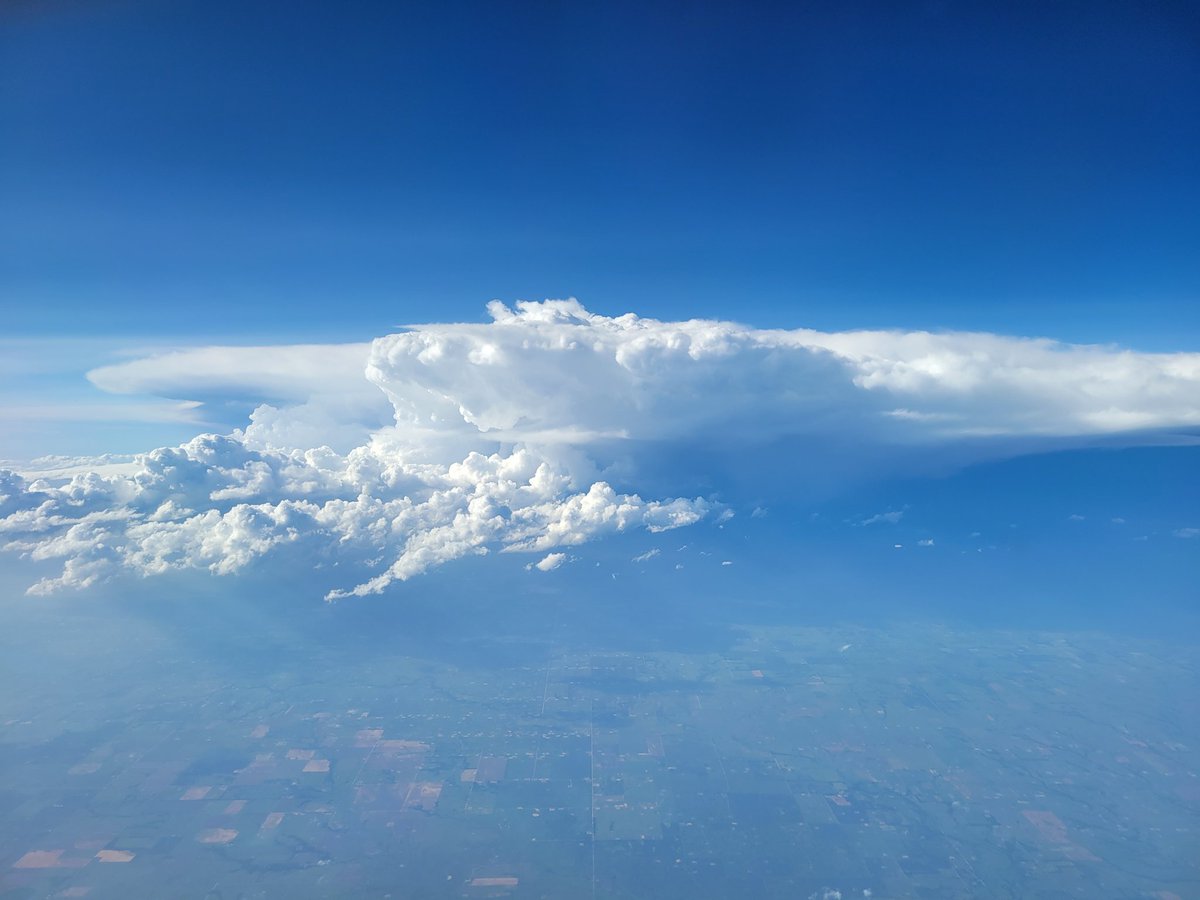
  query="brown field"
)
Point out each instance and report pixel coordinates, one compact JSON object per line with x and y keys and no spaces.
{"x":115,"y":856}
{"x":217,"y":835}
{"x":39,"y":859}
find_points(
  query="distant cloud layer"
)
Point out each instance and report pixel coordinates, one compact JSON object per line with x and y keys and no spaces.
{"x":462,"y":438}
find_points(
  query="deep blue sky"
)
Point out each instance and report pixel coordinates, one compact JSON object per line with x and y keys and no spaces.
{"x":251,"y":170}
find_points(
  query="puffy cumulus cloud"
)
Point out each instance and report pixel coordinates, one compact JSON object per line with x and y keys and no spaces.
{"x":448,"y":440}
{"x":219,"y":505}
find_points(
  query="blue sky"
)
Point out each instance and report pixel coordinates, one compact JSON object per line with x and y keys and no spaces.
{"x":290,"y":170}
{"x":181,"y":180}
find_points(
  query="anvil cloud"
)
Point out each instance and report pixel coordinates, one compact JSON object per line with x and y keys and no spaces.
{"x":451,"y":439}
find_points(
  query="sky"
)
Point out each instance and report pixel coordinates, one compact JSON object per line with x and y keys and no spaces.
{"x":295,"y":169}
{"x":840,"y":272}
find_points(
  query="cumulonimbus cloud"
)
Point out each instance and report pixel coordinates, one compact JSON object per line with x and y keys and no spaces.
{"x":553,"y":368}
{"x":497,"y":428}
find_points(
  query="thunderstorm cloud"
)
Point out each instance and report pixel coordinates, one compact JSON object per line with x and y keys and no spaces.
{"x":390,"y":458}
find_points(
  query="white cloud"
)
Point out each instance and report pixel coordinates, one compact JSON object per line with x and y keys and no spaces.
{"x":219,"y":505}
{"x":302,"y":395}
{"x":1187,"y":532}
{"x":63,"y":467}
{"x":891,"y":517}
{"x":550,"y":562}
{"x":642,"y":378}
{"x":291,"y":372}
{"x":185,"y":411}
{"x":648,"y":555}
{"x":467,"y":438}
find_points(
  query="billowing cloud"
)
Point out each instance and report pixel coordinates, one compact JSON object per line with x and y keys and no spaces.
{"x":217,"y":504}
{"x":554,"y":370}
{"x":447,"y":440}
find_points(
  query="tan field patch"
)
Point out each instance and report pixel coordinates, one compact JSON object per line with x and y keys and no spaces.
{"x":196,"y":793}
{"x":272,"y":820}
{"x":506,"y":881}
{"x":115,"y":856}
{"x":400,"y":746}
{"x":424,"y":795}
{"x":468,"y":775}
{"x":86,"y":768}
{"x":317,"y":765}
{"x":217,"y":835}
{"x":296,"y":753}
{"x":1049,"y":825}
{"x":39,"y":859}
{"x":235,"y":807}
{"x":260,"y":731}
{"x":367,"y":736}
{"x":1053,"y":831}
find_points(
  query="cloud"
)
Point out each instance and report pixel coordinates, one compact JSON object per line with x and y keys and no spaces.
{"x":550,"y":562}
{"x":63,"y":467}
{"x":1186,"y":532}
{"x":297,"y":396}
{"x":891,"y":517}
{"x":260,"y":373}
{"x":538,"y":431}
{"x":648,"y":555}
{"x":219,"y":505}
{"x":642,"y":378}
{"x":184,"y":411}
